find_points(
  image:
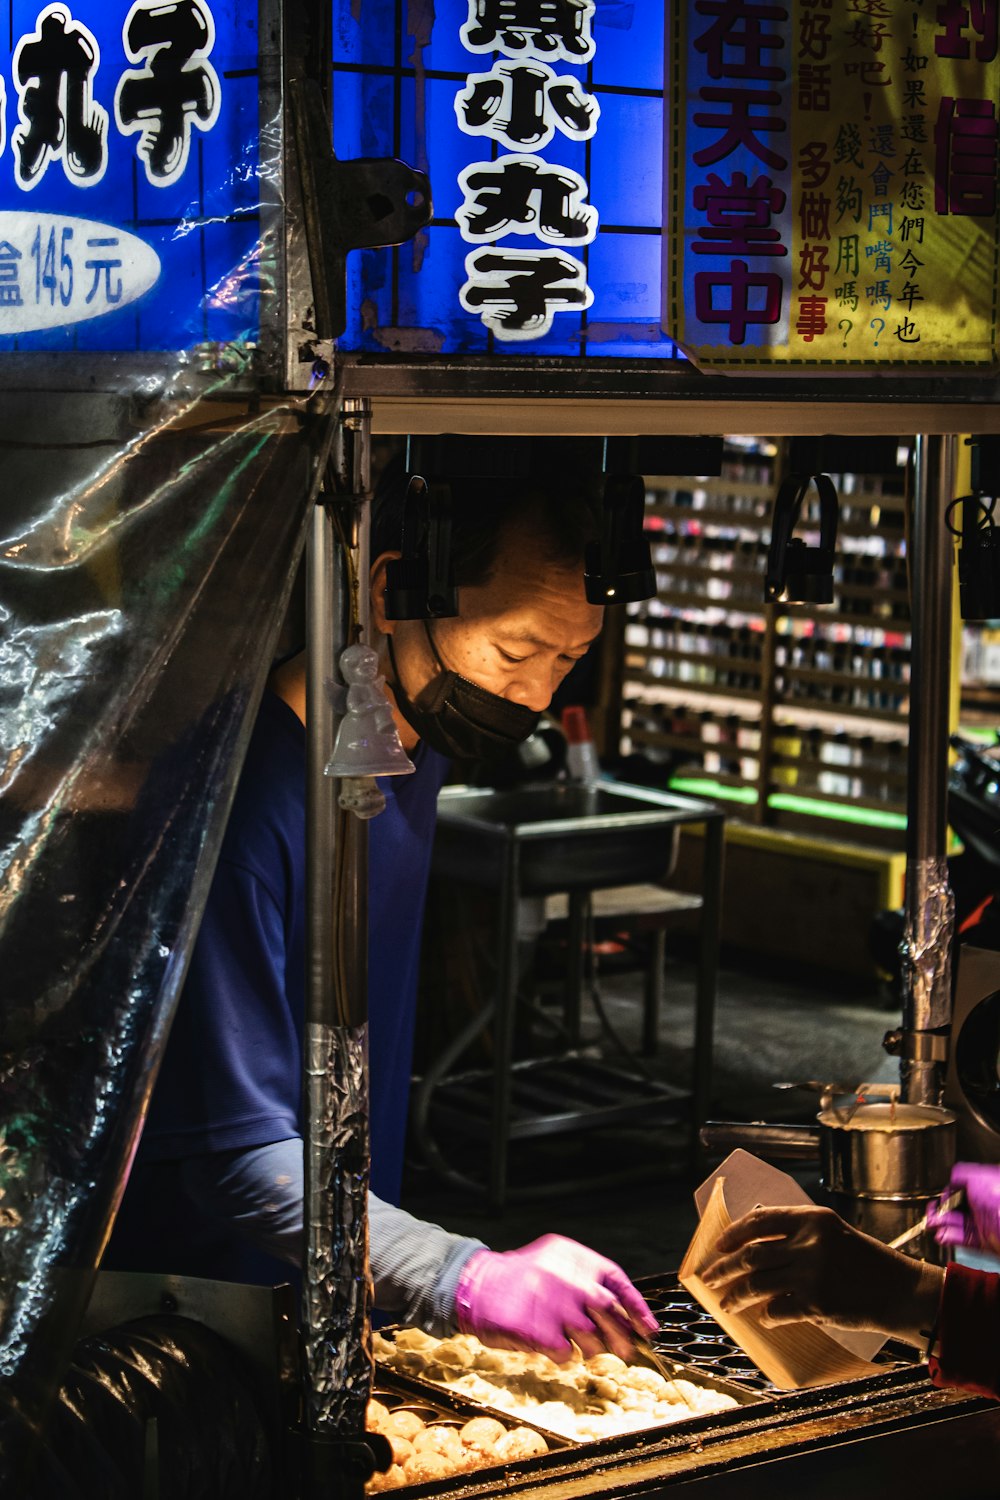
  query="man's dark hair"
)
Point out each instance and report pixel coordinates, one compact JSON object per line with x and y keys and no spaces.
{"x":560,"y":511}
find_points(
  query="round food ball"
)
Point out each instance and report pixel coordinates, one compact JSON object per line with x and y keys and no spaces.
{"x":492,"y":1359}
{"x":601,"y":1386}
{"x":482,"y":1434}
{"x":415,"y":1338}
{"x":376,"y":1416}
{"x":423,"y":1466}
{"x":390,"y":1480}
{"x":443,"y":1440}
{"x":520,"y":1442}
{"x":402,"y":1448}
{"x":403,"y":1423}
{"x":640,"y":1379}
{"x":468,"y":1341}
{"x":454,"y":1351}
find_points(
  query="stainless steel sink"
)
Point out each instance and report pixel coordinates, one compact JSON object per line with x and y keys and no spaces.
{"x":562,"y":835}
{"x":554,"y":837}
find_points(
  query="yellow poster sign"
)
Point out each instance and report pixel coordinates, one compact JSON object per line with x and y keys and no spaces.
{"x":832,"y":192}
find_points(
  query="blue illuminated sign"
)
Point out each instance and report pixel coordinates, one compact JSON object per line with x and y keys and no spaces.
{"x":540,"y":124}
{"x":129,"y":192}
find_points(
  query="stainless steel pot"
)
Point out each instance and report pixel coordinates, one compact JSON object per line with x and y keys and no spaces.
{"x":881,"y":1165}
{"x":886,"y":1150}
{"x":884,"y":1165}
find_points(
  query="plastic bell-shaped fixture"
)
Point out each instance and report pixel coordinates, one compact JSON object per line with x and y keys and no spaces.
{"x":367,"y":743}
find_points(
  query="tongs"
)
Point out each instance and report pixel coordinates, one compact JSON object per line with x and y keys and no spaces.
{"x":668,"y":1368}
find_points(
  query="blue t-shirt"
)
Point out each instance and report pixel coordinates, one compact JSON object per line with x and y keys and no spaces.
{"x":231,"y":1076}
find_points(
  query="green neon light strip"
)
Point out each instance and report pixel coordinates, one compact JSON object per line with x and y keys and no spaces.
{"x":844,"y":812}
{"x":841,"y":812}
{"x":703,"y":787}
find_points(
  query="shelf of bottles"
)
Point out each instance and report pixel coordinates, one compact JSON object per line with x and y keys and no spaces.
{"x":980,"y":703}
{"x":796,"y":714}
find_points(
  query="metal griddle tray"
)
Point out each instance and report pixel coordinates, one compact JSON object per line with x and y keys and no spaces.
{"x":793,"y":1426}
{"x":430,"y":1391}
{"x":410,"y":1390}
{"x":396,"y":1390}
{"x":564,"y":1456}
{"x":691,"y":1335}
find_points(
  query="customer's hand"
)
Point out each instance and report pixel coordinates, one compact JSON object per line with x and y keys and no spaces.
{"x":548,"y":1293}
{"x":976,"y":1222}
{"x":806,"y":1262}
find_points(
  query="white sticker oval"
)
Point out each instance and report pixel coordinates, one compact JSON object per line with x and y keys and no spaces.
{"x":56,"y":270}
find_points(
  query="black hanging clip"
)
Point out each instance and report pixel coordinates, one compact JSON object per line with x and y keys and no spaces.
{"x":619,"y":569}
{"x":979,"y":554}
{"x":420,"y":585}
{"x":801,"y":574}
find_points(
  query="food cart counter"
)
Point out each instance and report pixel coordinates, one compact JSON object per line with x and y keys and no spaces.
{"x":866,"y":1435}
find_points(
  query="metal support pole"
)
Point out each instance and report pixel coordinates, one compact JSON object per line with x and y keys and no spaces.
{"x":336,"y":1280}
{"x":707,"y":982}
{"x":503,"y":1025}
{"x":927,"y":940}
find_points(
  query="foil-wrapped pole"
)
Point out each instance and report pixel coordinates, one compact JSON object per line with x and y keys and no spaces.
{"x":928,"y":930}
{"x":337,"y":1285}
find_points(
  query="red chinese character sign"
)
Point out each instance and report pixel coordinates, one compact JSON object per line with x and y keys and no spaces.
{"x":832,"y":198}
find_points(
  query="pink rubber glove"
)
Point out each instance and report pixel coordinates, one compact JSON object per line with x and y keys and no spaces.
{"x":977,"y":1223}
{"x":547,"y":1293}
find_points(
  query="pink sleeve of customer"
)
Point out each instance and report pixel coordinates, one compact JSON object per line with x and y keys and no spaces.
{"x":968,"y":1345}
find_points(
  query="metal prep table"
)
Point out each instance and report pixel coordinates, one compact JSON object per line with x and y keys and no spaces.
{"x":575,"y":838}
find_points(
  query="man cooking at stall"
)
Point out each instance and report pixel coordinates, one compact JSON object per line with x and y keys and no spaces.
{"x":217,"y":1189}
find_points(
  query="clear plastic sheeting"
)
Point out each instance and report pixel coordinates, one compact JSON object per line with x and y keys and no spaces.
{"x":143,"y":576}
{"x":338,"y":1342}
{"x":154,"y":496}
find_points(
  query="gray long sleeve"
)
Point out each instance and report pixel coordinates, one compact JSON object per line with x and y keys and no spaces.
{"x":415,"y":1266}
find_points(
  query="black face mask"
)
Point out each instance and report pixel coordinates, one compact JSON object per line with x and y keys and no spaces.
{"x":459,"y":718}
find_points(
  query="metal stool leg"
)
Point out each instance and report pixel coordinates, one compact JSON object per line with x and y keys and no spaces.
{"x":503,"y":1036}
{"x":708,"y":967}
{"x":652,"y":1000}
{"x":576,"y":929}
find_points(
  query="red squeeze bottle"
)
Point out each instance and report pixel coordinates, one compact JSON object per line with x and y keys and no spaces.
{"x":581,"y":757}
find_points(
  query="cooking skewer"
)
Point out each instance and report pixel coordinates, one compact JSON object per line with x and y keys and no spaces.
{"x":662,"y":1366}
{"x":920,"y":1227}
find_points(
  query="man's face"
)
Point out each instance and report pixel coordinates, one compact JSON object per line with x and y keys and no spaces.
{"x":517,"y":636}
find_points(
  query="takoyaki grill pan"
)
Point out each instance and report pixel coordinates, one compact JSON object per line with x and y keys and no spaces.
{"x":888,"y":1432}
